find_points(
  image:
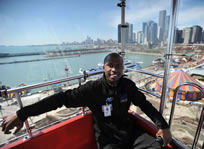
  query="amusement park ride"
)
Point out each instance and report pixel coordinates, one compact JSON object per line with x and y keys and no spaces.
{"x":77,"y":132}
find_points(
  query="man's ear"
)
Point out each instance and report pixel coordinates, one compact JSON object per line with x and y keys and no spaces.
{"x":103,"y":67}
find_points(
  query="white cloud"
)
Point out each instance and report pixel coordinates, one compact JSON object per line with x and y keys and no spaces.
{"x":190,"y":17}
{"x":138,"y":11}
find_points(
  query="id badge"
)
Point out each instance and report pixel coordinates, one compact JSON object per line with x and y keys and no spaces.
{"x":107,"y":110}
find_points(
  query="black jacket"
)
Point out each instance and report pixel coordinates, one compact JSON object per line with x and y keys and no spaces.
{"x":94,"y":95}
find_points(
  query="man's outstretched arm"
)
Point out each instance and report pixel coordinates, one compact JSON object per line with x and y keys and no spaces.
{"x":10,"y":122}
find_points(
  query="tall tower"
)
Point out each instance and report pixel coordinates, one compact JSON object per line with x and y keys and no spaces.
{"x":196,"y":34}
{"x":166,"y":29}
{"x":202,"y":38}
{"x":153,"y":33}
{"x":149,"y":32}
{"x":128,"y":33}
{"x":144,"y":32}
{"x":187,"y":35}
{"x":161,"y":25}
{"x":139,"y":37}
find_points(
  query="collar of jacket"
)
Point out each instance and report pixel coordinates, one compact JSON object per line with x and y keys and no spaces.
{"x":108,"y":84}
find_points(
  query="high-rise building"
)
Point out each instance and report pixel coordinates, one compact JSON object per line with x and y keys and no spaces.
{"x":144,"y":32}
{"x":196,"y":34}
{"x":187,"y":35}
{"x":166,"y":28}
{"x":159,"y":33}
{"x":88,"y":40}
{"x":202,"y":38}
{"x":139,"y":37}
{"x":161,"y":25}
{"x":149,"y":32}
{"x":179,"y":38}
{"x":153,"y":33}
{"x":134,"y":38}
{"x":128,"y":33}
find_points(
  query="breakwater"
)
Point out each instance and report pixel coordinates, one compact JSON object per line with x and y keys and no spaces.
{"x":4,"y":55}
{"x":76,"y":52}
{"x":34,"y":60}
{"x":57,"y":52}
{"x":49,"y":55}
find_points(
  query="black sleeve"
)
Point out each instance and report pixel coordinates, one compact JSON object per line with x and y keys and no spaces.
{"x":139,"y":99}
{"x":81,"y":96}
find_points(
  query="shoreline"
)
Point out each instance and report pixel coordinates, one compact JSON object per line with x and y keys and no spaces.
{"x":145,"y":53}
{"x":141,"y":53}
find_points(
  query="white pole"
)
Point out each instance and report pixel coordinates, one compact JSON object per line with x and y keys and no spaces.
{"x":123,"y":26}
{"x":168,"y":54}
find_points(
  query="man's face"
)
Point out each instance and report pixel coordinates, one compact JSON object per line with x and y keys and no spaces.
{"x":113,"y":68}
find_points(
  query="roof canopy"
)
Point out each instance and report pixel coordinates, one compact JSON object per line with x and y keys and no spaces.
{"x":186,"y":92}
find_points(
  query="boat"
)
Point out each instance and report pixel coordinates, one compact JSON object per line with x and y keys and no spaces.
{"x":158,"y":61}
{"x":77,"y":132}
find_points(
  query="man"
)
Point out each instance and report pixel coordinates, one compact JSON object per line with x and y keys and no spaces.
{"x":109,"y":99}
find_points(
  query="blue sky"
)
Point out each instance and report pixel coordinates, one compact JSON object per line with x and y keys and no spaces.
{"x":26,"y":22}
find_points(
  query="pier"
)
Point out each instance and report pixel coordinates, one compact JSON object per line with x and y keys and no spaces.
{"x":49,"y":55}
{"x":57,"y":52}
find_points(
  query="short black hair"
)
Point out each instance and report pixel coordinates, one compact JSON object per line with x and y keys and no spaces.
{"x":106,"y":59}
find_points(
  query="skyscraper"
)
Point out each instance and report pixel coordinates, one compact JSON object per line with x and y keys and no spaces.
{"x":134,"y":37}
{"x":178,"y":36}
{"x":128,"y":33}
{"x":139,"y":37}
{"x":149,"y":32}
{"x":187,"y":35}
{"x":153,"y":33}
{"x":166,"y":29}
{"x":161,"y":25}
{"x":144,"y":32}
{"x":196,"y":34}
{"x":202,"y":38}
{"x":88,"y":40}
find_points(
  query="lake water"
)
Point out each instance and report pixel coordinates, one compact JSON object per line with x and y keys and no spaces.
{"x":39,"y":71}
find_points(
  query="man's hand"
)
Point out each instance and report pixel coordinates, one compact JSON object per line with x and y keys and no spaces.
{"x":9,"y":122}
{"x":165,"y":134}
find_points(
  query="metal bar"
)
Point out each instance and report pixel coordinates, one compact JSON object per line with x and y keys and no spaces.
{"x":145,"y":72}
{"x":168,"y":54}
{"x":144,"y":90}
{"x":18,"y":97}
{"x":82,"y":108}
{"x":177,"y":144}
{"x":202,"y":114}
{"x":28,"y":87}
{"x":174,"y":98}
{"x":200,"y":124}
{"x":43,"y":84}
{"x":122,"y":27}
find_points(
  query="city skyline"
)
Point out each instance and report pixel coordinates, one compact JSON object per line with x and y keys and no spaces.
{"x":32,"y":22}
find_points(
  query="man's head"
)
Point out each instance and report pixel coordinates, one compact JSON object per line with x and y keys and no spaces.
{"x":113,"y":67}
